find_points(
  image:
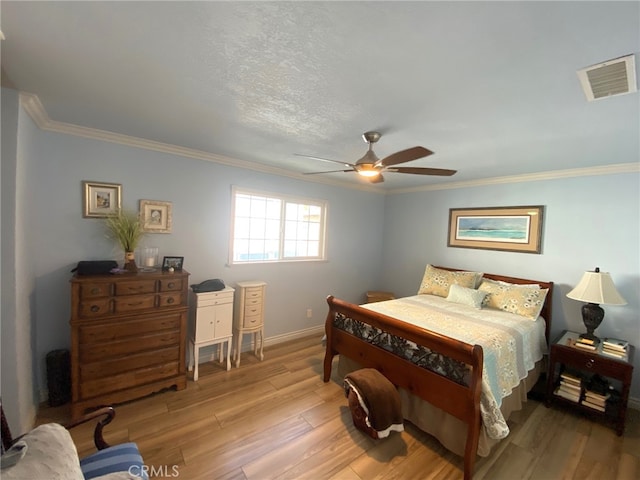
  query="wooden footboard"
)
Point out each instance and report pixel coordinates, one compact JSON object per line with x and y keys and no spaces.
{"x":458,"y":400}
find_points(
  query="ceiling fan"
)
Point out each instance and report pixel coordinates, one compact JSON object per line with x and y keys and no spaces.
{"x":371,"y":167}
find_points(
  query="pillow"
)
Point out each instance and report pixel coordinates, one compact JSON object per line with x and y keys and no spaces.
{"x":466,"y":296}
{"x":507,"y":284}
{"x":437,"y":281}
{"x":523,"y":300}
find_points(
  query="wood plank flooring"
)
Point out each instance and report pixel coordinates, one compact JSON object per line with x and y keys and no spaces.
{"x":276,"y":419}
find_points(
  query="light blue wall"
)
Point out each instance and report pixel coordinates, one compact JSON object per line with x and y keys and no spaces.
{"x":18,"y":388}
{"x":374,"y":242}
{"x":200,"y":192}
{"x":589,"y":222}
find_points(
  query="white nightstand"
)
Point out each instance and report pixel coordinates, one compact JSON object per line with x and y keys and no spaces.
{"x":249,"y":316}
{"x":210,"y":323}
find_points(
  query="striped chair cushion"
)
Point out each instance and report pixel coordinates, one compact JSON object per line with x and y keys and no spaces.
{"x":119,"y":458}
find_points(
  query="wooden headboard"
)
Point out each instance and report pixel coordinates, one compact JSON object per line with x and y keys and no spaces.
{"x":548,"y":301}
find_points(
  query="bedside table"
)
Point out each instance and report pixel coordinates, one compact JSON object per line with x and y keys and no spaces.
{"x":564,"y":357}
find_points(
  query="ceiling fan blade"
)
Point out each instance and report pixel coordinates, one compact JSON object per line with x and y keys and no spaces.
{"x":377,"y":179}
{"x":325,"y":159}
{"x":405,"y":156}
{"x":422,"y":171}
{"x":330,"y":171}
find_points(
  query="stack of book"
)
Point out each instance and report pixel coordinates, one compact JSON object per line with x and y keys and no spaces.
{"x":570,"y":387}
{"x":595,"y":400}
{"x":615,"y":348}
{"x":586,"y":344}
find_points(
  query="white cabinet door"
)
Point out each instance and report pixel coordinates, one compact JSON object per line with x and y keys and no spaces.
{"x":205,"y":323}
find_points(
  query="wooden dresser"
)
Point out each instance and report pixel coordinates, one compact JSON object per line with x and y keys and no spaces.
{"x":128,"y":336}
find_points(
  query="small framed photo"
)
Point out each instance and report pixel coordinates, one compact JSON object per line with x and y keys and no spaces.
{"x":101,"y":199}
{"x":156,"y":216}
{"x":172,"y":262}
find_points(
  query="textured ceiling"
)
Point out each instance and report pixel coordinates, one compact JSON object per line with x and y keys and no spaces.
{"x":490,"y":87}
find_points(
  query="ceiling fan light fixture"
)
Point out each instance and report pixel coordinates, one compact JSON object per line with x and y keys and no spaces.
{"x":368,"y":172}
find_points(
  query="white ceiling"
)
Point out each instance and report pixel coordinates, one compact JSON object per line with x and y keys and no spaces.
{"x":490,"y":87}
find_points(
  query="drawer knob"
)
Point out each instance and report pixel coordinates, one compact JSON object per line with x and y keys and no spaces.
{"x":171,"y":284}
{"x":170,"y":300}
{"x":590,"y":363}
{"x":95,"y":308}
{"x":95,"y":290}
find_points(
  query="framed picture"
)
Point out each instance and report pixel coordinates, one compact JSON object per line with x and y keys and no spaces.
{"x":156,"y":216}
{"x":101,"y":199}
{"x":515,"y":229}
{"x":172,"y":262}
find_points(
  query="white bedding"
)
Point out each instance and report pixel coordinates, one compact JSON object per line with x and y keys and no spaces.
{"x":511,"y":344}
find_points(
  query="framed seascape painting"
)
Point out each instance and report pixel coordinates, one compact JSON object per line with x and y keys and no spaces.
{"x":101,"y":199}
{"x":515,"y":229}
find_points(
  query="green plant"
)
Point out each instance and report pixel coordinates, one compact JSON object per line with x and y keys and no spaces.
{"x":125,"y":228}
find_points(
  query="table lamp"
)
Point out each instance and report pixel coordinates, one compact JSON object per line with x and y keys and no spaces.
{"x":595,"y":288}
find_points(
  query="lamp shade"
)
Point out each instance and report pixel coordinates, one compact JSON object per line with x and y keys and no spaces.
{"x":597,"y":287}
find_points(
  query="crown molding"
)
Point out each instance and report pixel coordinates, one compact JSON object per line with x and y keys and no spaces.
{"x":530,"y":177}
{"x":32,"y":105}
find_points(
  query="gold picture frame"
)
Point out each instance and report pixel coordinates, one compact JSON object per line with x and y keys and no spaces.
{"x":156,"y":216}
{"x":101,"y":199}
{"x":513,"y":229}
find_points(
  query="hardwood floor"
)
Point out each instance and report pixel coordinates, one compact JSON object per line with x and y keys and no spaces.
{"x":276,"y":419}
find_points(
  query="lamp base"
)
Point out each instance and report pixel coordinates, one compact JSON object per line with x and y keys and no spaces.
{"x":592,"y":315}
{"x":590,"y":336}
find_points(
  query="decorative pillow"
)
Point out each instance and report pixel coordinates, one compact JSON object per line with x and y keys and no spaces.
{"x":437,"y":281}
{"x":466,"y":296}
{"x":526,"y":301}
{"x":507,"y":284}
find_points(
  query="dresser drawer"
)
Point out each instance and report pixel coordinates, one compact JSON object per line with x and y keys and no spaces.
{"x":133,"y":304}
{"x":254,"y":309}
{"x":170,"y":284}
{"x":92,"y":388}
{"x":95,"y":290}
{"x":98,"y":370}
{"x":135,"y":287}
{"x":213,"y":298}
{"x":120,"y":331}
{"x":170,"y":299}
{"x":253,"y":293}
{"x":252,"y":320}
{"x":131,"y":346}
{"x":96,"y":308}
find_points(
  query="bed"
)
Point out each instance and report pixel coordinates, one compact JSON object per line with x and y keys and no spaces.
{"x":462,"y":362}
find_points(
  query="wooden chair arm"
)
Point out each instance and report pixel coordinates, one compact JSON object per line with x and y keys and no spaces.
{"x":97,"y":434}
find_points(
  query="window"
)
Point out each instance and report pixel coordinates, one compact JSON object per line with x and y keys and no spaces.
{"x":275,"y":228}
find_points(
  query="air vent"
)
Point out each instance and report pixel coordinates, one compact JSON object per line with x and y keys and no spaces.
{"x":613,"y":77}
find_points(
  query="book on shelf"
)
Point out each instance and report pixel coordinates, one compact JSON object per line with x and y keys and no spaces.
{"x":570,"y":378}
{"x":596,"y":398}
{"x":567,"y":395}
{"x":594,"y":406}
{"x":615,"y":344}
{"x":571,"y":388}
{"x":585,"y":346}
{"x":614,"y":353}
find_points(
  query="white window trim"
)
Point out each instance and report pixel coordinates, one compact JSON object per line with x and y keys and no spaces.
{"x":324,"y":207}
